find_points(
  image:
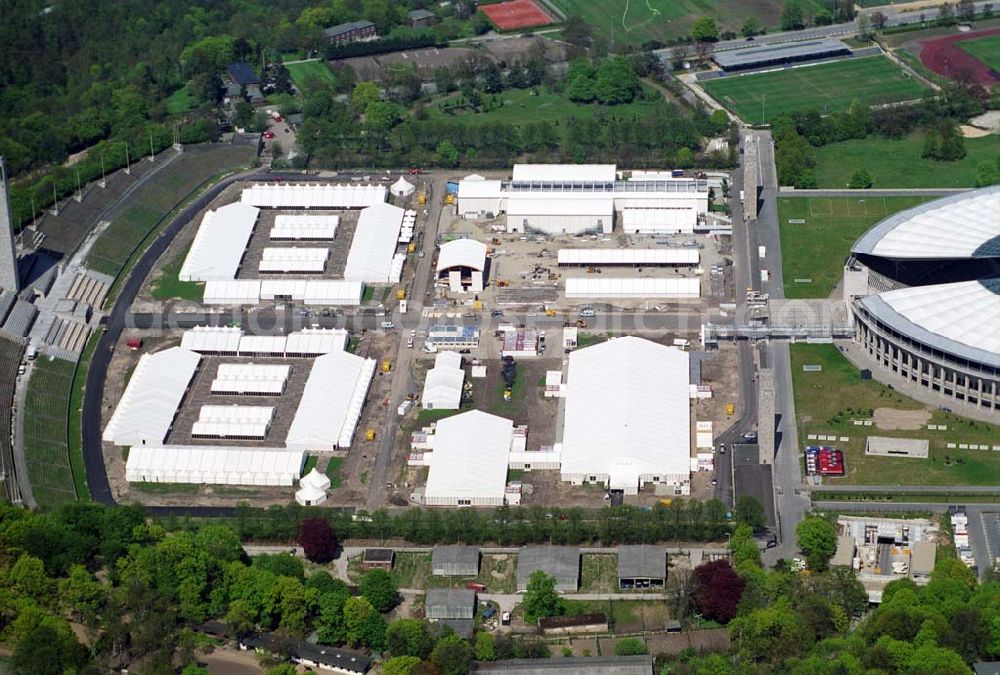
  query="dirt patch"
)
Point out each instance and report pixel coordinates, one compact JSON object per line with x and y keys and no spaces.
{"x":891,"y":419}
{"x":944,"y":57}
{"x":228,"y":661}
{"x":973,"y":132}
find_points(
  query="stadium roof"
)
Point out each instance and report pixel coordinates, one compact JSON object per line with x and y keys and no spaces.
{"x":642,"y":562}
{"x":962,"y":318}
{"x":564,"y":172}
{"x":469,"y":460}
{"x":219,"y":245}
{"x":312,"y":195}
{"x":147,"y":408}
{"x":331,"y":402}
{"x":462,"y":253}
{"x":213,"y":464}
{"x":374,"y":244}
{"x":965,"y":225}
{"x":750,"y":56}
{"x":627,"y":411}
{"x":443,"y":386}
{"x":635,"y":287}
{"x":561,"y":562}
{"x":628,"y":256}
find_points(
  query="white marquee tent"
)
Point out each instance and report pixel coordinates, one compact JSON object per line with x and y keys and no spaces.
{"x":219,"y":245}
{"x":371,"y":256}
{"x":214,"y":465}
{"x":147,"y":408}
{"x":628,"y":256}
{"x":312,"y":196}
{"x":402,"y":188}
{"x":443,"y":386}
{"x":468,"y":466}
{"x":627,"y":417}
{"x":233,"y":421}
{"x":636,"y":287}
{"x":331,"y":402}
{"x":304,"y":227}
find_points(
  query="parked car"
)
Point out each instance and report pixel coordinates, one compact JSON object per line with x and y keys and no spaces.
{"x":268,"y":135}
{"x":386,"y":325}
{"x":505,"y":618}
{"x":476,"y":586}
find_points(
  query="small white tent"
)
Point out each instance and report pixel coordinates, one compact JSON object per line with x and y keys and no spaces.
{"x":402,"y":188}
{"x":312,"y":488}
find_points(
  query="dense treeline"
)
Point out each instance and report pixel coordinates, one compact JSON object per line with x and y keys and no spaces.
{"x":684,"y":519}
{"x":938,"y":116}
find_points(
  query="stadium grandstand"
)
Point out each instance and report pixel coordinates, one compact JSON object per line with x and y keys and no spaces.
{"x":923,"y":287}
{"x":783,"y":54}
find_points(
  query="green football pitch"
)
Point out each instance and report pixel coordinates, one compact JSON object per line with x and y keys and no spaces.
{"x":985,"y":49}
{"x":829,"y":87}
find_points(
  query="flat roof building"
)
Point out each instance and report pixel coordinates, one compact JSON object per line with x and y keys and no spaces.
{"x":455,"y":561}
{"x":450,"y":603}
{"x":561,"y":562}
{"x":380,"y":558}
{"x":642,"y":566}
{"x":627,"y":419}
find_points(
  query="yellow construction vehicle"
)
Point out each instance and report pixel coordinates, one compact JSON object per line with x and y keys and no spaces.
{"x":730,"y":409}
{"x":421,"y":198}
{"x":386,"y":366}
{"x":666,"y":502}
{"x":549,"y":311}
{"x":450,"y":199}
{"x":370,"y":434}
{"x":400,"y":294}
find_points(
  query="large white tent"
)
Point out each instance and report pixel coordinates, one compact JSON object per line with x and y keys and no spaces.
{"x":233,"y":421}
{"x":304,"y":227}
{"x":331,"y":402}
{"x":214,"y":465}
{"x":147,"y":408}
{"x":231,"y":341}
{"x":468,"y":466}
{"x":634,"y":288}
{"x":635,"y":257}
{"x":312,"y":196}
{"x":250,"y":379}
{"x":560,"y":212}
{"x":659,"y":220}
{"x":443,"y":386}
{"x":217,"y":340}
{"x":220,"y":243}
{"x":371,"y":255}
{"x":628,"y":417}
{"x":462,"y":262}
{"x":293,"y":260}
{"x":232,"y":292}
{"x":331,"y":292}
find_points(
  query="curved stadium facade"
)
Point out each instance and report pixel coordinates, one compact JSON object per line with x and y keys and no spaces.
{"x":923,"y":286}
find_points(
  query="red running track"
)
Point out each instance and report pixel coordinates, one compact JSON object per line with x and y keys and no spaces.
{"x":944,"y":57}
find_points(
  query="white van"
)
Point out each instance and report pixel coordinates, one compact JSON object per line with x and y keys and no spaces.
{"x":386,"y":325}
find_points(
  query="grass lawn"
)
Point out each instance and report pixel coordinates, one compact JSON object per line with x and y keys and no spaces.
{"x":816,"y":249}
{"x":310,"y":464}
{"x":182,"y":101}
{"x":588,"y":339}
{"x":168,"y":286}
{"x":333,"y":471}
{"x":307,"y":74}
{"x":624,"y":616}
{"x":827,"y":87}
{"x":519,"y":106}
{"x":598,"y":573}
{"x":633,"y":22}
{"x":898,"y":164}
{"x":822,"y":400}
{"x":986,"y":49}
{"x":412,"y":570}
{"x":498,"y":406}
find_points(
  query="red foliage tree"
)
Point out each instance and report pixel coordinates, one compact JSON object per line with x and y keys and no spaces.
{"x":318,"y":540}
{"x":717,"y":590}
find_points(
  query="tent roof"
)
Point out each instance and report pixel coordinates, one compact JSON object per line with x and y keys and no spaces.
{"x":219,"y":245}
{"x":462,"y":253}
{"x":627,"y":411}
{"x":470,"y":456}
{"x":374,"y":244}
{"x":331,"y":401}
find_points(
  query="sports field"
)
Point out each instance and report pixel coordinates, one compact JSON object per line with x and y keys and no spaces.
{"x":827,"y":87}
{"x":634,"y":22}
{"x":307,"y":72}
{"x":986,"y":49}
{"x":516,"y":14}
{"x":816,"y":242}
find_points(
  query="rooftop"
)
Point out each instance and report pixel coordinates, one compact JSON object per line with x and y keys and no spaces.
{"x":788,"y":50}
{"x":341,"y":28}
{"x":642,"y":562}
{"x":561,"y":562}
{"x":586,"y":665}
{"x":242,"y":74}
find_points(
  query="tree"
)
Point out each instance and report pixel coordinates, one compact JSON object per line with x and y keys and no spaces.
{"x":792,"y":16}
{"x":987,"y":173}
{"x":485,"y":647}
{"x":752,"y":26}
{"x":400,"y":665}
{"x":630,"y":647}
{"x":865,"y":31}
{"x":616,"y":82}
{"x":44,"y":651}
{"x":944,"y":142}
{"x":749,"y":511}
{"x":946,"y":15}
{"x":772,"y":634}
{"x":410,"y":637}
{"x":860,"y":180}
{"x":966,"y":11}
{"x":704,"y":29}
{"x":452,"y":655}
{"x":541,"y":599}
{"x":581,"y":84}
{"x":364,"y":625}
{"x":684,"y":159}
{"x":318,"y":540}
{"x":823,"y":18}
{"x":447,"y":154}
{"x":717,"y":590}
{"x":817,"y":539}
{"x":879,"y":20}
{"x":679,"y":56}
{"x":743,"y":547}
{"x":364,"y":94}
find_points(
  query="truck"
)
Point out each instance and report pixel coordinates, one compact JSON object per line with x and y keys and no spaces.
{"x":730,"y":408}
